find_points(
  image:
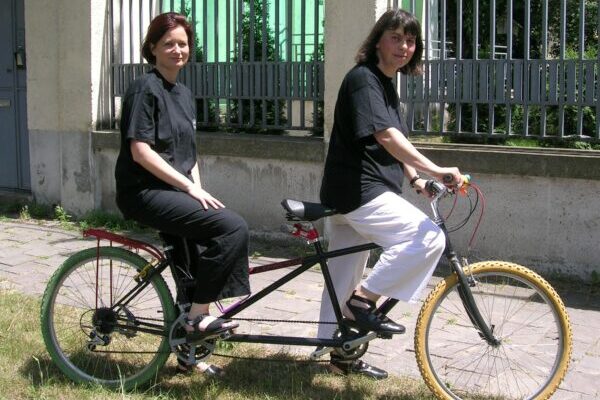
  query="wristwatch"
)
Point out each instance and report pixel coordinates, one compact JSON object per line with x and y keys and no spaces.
{"x":413,"y":180}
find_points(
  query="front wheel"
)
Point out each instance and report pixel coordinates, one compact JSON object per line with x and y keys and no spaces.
{"x":89,"y":338}
{"x":524,"y":313}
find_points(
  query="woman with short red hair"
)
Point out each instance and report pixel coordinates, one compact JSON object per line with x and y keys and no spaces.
{"x":158,"y":180}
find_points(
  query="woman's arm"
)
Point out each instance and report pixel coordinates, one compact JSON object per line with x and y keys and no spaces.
{"x":416,"y":182}
{"x":143,"y":154}
{"x":196,"y":175}
{"x":400,"y":148}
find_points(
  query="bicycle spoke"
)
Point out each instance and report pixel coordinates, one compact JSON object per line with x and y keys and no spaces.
{"x":522,"y":319}
{"x":119,"y":351}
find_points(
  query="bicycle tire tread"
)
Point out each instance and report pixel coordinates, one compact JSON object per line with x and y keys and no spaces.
{"x":491,"y":266}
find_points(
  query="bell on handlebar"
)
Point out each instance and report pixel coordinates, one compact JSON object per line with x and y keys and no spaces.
{"x":464,"y":189}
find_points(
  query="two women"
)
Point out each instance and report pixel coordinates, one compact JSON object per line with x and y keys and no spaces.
{"x":158,"y":181}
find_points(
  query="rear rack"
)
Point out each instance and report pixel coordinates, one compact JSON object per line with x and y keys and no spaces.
{"x":100,"y":234}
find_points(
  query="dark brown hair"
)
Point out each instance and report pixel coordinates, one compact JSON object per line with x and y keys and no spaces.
{"x":392,"y":20}
{"x":158,"y":27}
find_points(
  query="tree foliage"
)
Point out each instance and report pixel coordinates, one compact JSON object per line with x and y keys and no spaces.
{"x":521,"y":29}
{"x":256,"y":43}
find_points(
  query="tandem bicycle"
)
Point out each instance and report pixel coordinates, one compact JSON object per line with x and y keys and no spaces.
{"x":489,"y":329}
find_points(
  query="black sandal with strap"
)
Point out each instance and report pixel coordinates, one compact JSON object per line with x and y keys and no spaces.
{"x":367,"y":318}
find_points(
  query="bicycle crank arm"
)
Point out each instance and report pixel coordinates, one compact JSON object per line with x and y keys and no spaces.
{"x":352,"y":344}
{"x":320,"y":352}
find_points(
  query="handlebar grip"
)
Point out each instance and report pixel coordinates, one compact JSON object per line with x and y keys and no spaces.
{"x":448,"y":179}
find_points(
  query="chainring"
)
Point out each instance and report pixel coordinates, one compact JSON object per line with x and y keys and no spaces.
{"x":353,"y":354}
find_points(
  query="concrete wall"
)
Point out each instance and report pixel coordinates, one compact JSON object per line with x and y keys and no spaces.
{"x":542,"y":205}
{"x":542,"y":209}
{"x":61,"y":98}
{"x":343,"y":36}
{"x":251,"y":174}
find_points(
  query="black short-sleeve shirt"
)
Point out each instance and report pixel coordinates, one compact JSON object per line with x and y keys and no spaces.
{"x":161,"y":114}
{"x":357,"y":168}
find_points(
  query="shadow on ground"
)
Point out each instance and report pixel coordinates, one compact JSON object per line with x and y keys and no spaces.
{"x":277,"y":377}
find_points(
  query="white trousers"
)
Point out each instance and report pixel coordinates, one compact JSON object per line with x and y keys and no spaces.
{"x":412,"y":246}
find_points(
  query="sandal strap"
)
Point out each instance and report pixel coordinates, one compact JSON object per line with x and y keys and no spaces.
{"x":372,"y":305}
{"x":207,"y":323}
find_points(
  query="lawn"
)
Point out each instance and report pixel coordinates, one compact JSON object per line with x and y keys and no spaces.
{"x":26,"y":371}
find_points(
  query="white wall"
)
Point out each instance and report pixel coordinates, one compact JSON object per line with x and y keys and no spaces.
{"x":63,"y":55}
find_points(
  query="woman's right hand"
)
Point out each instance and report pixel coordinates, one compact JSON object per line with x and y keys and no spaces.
{"x":454,"y":172}
{"x":205,"y":198}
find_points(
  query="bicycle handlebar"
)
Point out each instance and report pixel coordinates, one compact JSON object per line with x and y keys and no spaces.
{"x":449,"y":179}
{"x":438,"y":190}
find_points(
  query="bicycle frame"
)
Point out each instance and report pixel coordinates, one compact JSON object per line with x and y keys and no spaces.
{"x":302,"y":264}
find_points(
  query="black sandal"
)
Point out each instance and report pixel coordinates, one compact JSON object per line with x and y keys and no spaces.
{"x":345,"y":367}
{"x":367,"y":318}
{"x":206,"y":324}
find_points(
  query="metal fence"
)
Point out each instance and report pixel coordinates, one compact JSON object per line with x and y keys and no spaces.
{"x":492,"y":68}
{"x":257,"y":64}
{"x":510,"y":68}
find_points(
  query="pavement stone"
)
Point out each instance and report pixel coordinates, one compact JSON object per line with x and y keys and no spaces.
{"x":30,"y":252}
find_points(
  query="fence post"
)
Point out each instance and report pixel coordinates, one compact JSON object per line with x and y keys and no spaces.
{"x":348,"y":23}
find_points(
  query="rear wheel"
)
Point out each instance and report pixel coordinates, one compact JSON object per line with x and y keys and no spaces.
{"x":88,"y":339}
{"x":524,"y":312}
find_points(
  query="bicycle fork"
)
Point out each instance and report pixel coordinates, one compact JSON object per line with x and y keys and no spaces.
{"x":464,"y":286}
{"x":466,"y":295}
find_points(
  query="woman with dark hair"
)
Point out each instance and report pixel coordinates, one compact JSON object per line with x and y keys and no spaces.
{"x":158,"y":180}
{"x":368,"y":157}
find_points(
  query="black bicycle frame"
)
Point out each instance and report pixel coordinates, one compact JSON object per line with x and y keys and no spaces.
{"x":304,"y":263}
{"x":320,"y":257}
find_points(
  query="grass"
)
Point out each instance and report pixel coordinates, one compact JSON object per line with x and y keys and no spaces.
{"x":26,"y":372}
{"x":92,"y":219}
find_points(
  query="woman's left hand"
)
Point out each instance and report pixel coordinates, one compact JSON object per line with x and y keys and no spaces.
{"x":419,"y":186}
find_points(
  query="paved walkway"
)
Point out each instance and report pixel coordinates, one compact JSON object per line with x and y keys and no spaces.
{"x":30,"y":252}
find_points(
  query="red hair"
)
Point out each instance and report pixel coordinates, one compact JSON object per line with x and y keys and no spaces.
{"x":158,"y":27}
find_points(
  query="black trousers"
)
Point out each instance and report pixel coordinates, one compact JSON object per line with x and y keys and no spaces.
{"x":221,"y":268}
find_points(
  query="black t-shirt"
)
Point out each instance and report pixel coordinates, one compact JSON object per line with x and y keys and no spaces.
{"x":163,"y":115}
{"x":357,"y":168}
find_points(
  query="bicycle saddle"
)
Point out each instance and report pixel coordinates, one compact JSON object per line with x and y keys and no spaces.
{"x":306,"y":211}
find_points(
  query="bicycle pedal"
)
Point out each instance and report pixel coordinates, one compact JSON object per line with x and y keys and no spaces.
{"x":225,"y":335}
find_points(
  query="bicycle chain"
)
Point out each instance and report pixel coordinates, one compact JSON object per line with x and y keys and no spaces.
{"x":222,"y":355}
{"x":283,"y":321}
{"x":269,"y":359}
